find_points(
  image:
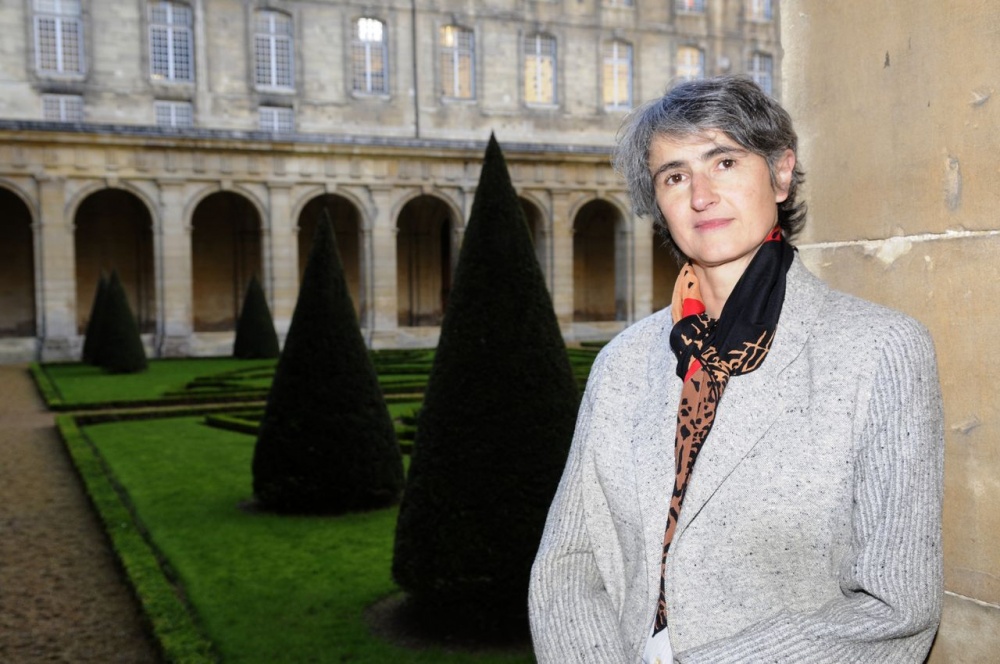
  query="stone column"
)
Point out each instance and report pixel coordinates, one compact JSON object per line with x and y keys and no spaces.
{"x":561,"y":268}
{"x":174,"y":295}
{"x":643,"y":237}
{"x":57,"y":262}
{"x":383,"y":297}
{"x":281,"y":258}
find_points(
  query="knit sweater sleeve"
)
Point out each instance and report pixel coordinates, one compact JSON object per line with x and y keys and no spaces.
{"x":891,"y":581}
{"x":573,"y":617}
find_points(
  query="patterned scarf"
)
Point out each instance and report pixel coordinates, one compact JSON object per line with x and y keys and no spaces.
{"x":709,"y":352}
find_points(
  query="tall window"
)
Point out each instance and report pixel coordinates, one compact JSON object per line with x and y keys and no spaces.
{"x":273,"y":65}
{"x":276,"y":119}
{"x":62,"y":108}
{"x":691,"y":6}
{"x":540,"y":69}
{"x":369,"y":57}
{"x":760,"y":10}
{"x":761,"y":71}
{"x":58,"y":37}
{"x":617,"y":84}
{"x":457,"y":57}
{"x":170,"y":52}
{"x":174,"y":113}
{"x":690,"y":63}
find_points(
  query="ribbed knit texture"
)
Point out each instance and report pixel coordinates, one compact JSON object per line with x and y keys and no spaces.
{"x":814,"y":531}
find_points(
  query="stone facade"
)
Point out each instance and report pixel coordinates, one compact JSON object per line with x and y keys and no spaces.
{"x":186,"y":214}
{"x":899,"y":135}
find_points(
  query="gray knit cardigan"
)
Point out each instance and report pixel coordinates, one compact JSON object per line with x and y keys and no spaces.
{"x":811,"y":529}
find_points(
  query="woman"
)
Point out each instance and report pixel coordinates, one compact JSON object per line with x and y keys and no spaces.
{"x":756,"y":473}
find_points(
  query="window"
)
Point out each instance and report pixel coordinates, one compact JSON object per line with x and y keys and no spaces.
{"x":369,"y":58}
{"x":174,"y":114}
{"x":540,"y":69}
{"x":170,"y":52}
{"x":277,"y":119}
{"x":617,"y":75}
{"x":62,"y":108}
{"x":273,"y":51}
{"x":691,"y":6}
{"x":58,"y":37}
{"x":761,"y":70}
{"x":457,"y":59}
{"x":618,"y":3}
{"x":690,"y":63}
{"x":760,"y":10}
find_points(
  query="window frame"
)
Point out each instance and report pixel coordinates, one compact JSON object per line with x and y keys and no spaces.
{"x":272,"y":39}
{"x":761,"y":10}
{"x":171,"y":30}
{"x":455,"y":53}
{"x":62,"y":109}
{"x":62,"y":15}
{"x":539,"y":57}
{"x":173,"y":106}
{"x":278,"y":113}
{"x":616,"y":61}
{"x":757,"y":72}
{"x":366,"y":49}
{"x":690,"y":6}
{"x":685,"y":66}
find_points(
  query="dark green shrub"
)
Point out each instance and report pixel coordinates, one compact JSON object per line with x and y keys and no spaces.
{"x":326,"y":441}
{"x":91,"y":336}
{"x":494,"y":430}
{"x":119,"y":346}
{"x":255,"y":335}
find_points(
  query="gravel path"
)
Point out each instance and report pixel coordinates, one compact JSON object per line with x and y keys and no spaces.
{"x":62,"y":594}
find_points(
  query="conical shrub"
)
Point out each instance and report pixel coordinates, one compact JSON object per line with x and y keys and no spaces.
{"x":255,"y":335}
{"x":91,"y":336}
{"x":494,"y":430}
{"x":326,"y":441}
{"x":120,"y":347}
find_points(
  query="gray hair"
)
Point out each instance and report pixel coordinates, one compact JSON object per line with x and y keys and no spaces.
{"x":734,"y":105}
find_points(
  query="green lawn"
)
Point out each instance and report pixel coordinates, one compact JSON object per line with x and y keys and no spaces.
{"x":264,"y":588}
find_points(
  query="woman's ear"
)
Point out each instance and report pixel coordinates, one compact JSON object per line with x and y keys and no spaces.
{"x":783,"y":175}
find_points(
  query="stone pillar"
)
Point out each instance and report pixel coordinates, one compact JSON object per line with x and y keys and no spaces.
{"x":172,"y":248}
{"x":57,"y":262}
{"x":383,"y":297}
{"x":561,"y":268}
{"x":643,"y":237}
{"x":281,"y":258}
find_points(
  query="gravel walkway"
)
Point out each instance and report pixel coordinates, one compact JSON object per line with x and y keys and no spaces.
{"x":62,"y":594}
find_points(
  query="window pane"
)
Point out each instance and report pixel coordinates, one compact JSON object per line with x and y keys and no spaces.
{"x":690,"y":63}
{"x":276,"y":119}
{"x":174,"y":114}
{"x":617,"y":72}
{"x":62,"y":108}
{"x":697,"y":6}
{"x":368,"y":56}
{"x":457,"y":63}
{"x":273,"y":60}
{"x":539,"y":69}
{"x":761,"y":69}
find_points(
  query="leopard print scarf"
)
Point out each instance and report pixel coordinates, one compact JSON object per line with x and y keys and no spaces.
{"x":709,"y":352}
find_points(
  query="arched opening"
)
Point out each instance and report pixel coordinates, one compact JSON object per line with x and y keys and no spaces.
{"x":598,"y":264}
{"x":225,"y":253}
{"x":536,"y":226}
{"x":114,"y":231}
{"x":665,"y":271}
{"x":423,"y":261}
{"x":17,"y":268}
{"x":347,"y":228}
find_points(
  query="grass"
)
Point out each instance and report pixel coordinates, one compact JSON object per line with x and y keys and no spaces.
{"x":217,"y":581}
{"x":264,"y":588}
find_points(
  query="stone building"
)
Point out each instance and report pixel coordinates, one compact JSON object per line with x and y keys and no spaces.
{"x":191,"y":144}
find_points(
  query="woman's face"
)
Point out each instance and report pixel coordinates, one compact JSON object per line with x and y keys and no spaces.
{"x":716,"y":196}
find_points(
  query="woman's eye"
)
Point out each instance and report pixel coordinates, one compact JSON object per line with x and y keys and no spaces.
{"x":674,"y":178}
{"x":727,"y":163}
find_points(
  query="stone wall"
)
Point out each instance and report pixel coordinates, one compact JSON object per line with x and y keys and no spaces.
{"x":894,"y":105}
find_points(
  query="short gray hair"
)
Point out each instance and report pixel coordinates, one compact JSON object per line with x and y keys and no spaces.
{"x":734,"y":105}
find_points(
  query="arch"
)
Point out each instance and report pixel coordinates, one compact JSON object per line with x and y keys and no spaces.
{"x":199,"y":197}
{"x":17,"y":267}
{"x":305,"y":197}
{"x":347,"y":227}
{"x":599,"y":263}
{"x":665,"y":271}
{"x":538,"y":226}
{"x":80,"y":196}
{"x":424,"y":260}
{"x":225,"y":253}
{"x":114,"y":232}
